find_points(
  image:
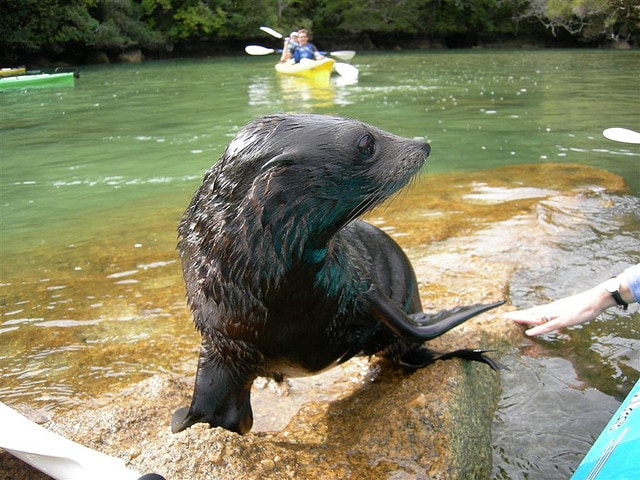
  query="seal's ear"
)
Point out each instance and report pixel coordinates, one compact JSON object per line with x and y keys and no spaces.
{"x":283,"y":159}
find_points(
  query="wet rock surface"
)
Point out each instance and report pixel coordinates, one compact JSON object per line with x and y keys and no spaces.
{"x":433,"y":423}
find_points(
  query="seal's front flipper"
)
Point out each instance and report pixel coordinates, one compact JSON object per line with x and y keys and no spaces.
{"x":221,"y":398}
{"x":385,"y":310}
{"x":454,"y":316}
{"x":181,"y":420}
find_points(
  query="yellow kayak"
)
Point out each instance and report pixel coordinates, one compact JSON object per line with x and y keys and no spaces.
{"x":318,"y":70}
{"x":9,"y":72}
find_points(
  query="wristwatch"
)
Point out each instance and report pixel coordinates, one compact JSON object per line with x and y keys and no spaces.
{"x":613,"y":287}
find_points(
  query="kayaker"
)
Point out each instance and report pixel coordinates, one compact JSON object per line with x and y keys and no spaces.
{"x":290,"y":44}
{"x":620,"y":290}
{"x":304,"y":48}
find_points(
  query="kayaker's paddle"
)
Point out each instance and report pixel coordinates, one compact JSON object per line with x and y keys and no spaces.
{"x":342,"y":54}
{"x":272,"y":32}
{"x":258,"y":50}
{"x":622,"y":135}
{"x":56,"y":455}
{"x":347,"y":71}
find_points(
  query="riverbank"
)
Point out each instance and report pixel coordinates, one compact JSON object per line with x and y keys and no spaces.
{"x":361,"y":43}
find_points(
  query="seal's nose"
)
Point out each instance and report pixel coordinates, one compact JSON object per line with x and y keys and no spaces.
{"x":427,"y":149}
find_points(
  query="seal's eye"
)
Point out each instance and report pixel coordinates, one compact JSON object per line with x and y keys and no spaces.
{"x":366,"y":146}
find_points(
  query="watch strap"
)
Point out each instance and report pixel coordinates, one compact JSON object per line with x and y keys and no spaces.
{"x":618,"y":298}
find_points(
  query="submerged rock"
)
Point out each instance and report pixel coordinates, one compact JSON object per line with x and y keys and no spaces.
{"x":130,"y":56}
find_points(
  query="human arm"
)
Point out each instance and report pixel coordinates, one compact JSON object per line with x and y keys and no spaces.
{"x":578,"y":308}
{"x":285,"y":51}
{"x":316,"y":54}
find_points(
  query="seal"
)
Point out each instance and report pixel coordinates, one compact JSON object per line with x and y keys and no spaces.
{"x":281,"y":276}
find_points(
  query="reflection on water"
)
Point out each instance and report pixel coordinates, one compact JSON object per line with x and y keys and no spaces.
{"x":302,"y":95}
{"x":94,"y":180}
{"x":306,"y":92}
{"x":484,"y":193}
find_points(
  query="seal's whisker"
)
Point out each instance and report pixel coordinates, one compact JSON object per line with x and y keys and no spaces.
{"x":367,"y":204}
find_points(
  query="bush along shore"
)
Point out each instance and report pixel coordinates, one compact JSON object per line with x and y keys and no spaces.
{"x":37,"y":33}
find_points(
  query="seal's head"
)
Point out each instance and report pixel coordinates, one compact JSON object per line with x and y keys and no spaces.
{"x":327,"y":170}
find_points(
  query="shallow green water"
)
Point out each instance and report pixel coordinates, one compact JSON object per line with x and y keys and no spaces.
{"x":94,"y":179}
{"x":135,"y":133}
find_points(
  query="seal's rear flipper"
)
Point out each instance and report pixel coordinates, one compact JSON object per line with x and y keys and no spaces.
{"x":418,"y":326}
{"x":421,"y":356}
{"x":475,"y":355}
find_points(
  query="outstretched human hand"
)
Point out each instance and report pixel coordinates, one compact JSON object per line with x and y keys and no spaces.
{"x":582,"y":307}
{"x":562,"y":313}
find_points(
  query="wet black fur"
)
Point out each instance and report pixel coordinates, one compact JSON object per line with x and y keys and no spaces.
{"x":281,"y":277}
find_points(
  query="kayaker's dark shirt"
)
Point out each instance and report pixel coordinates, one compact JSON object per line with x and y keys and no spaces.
{"x":308,"y":51}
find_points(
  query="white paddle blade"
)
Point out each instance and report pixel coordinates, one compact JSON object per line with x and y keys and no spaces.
{"x":622,"y":135}
{"x":347,"y":71}
{"x":271,"y":31}
{"x":57,"y":456}
{"x":343,"y":54}
{"x":258,"y":50}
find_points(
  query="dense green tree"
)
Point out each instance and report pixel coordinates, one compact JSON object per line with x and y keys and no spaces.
{"x":586,"y":18}
{"x":430,"y":17}
{"x":199,"y":19}
{"x":184,"y":19}
{"x":28,"y":24}
{"x":372,"y":15}
{"x":35,"y":25}
{"x":480,"y":16}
